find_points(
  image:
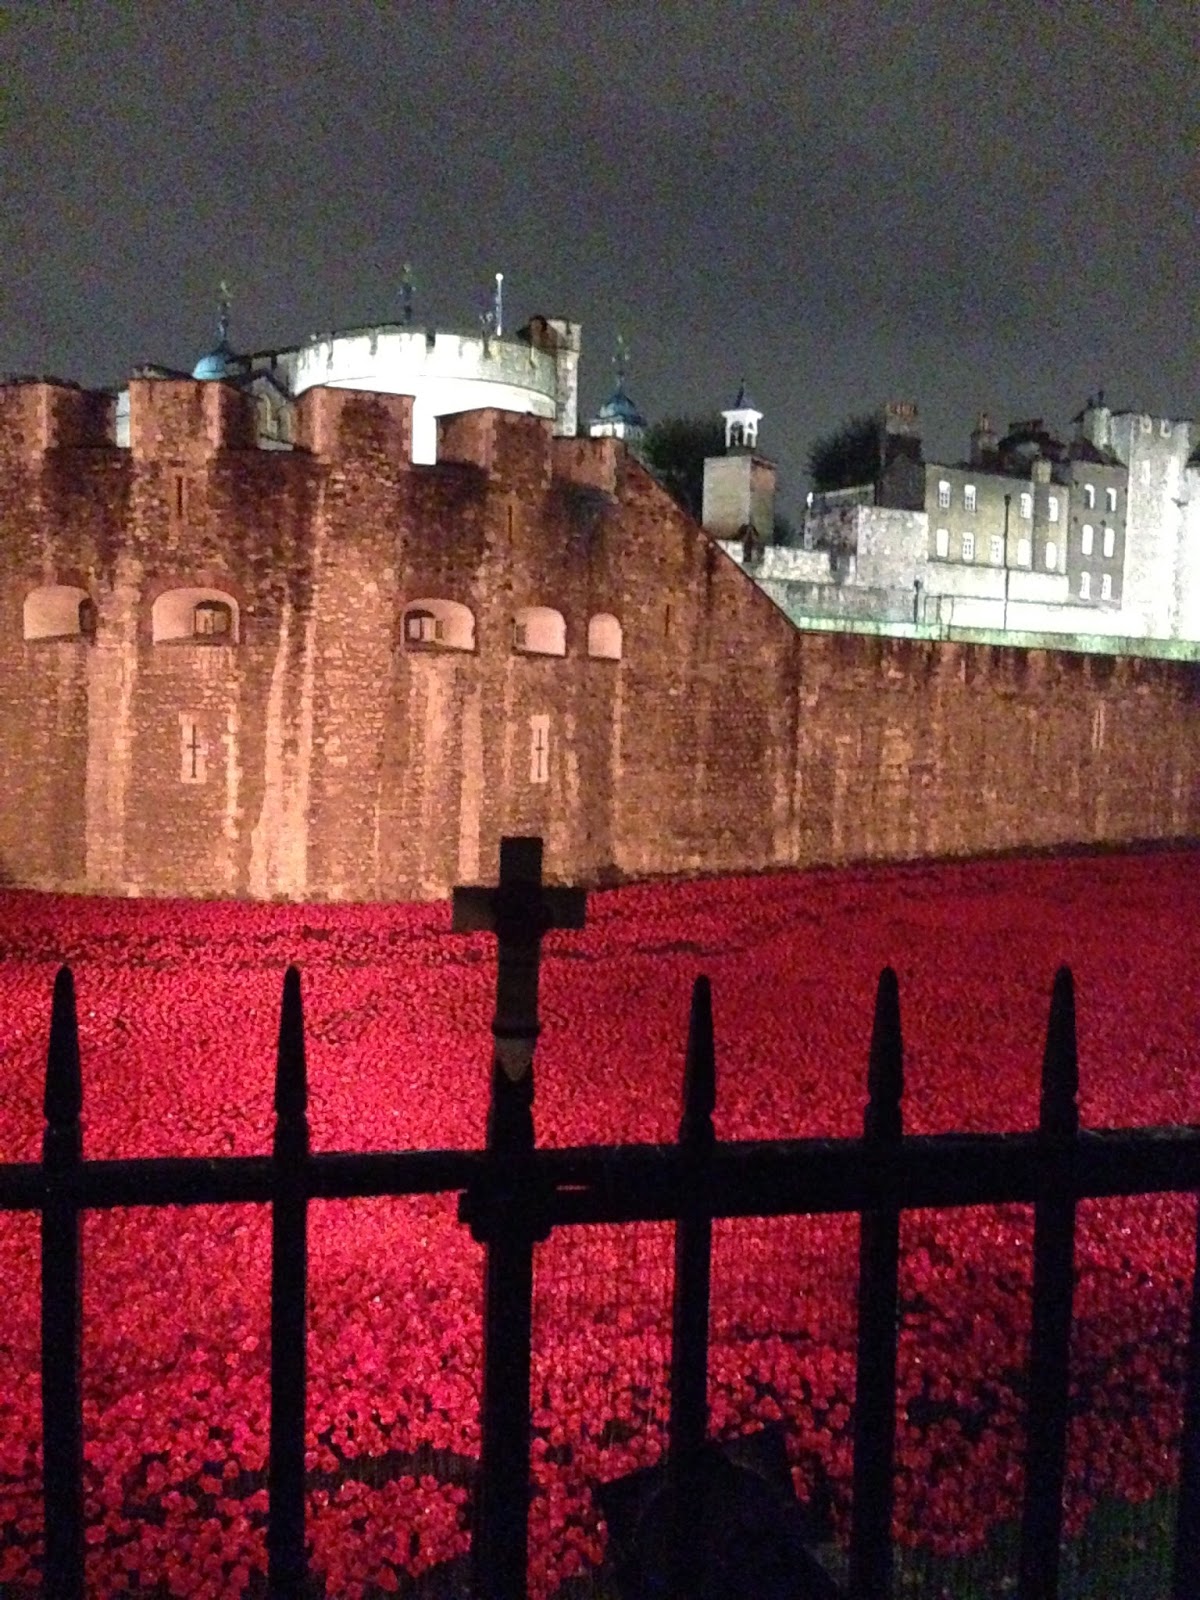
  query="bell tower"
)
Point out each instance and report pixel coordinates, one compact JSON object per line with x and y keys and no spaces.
{"x":741,"y":422}
{"x":739,"y":486}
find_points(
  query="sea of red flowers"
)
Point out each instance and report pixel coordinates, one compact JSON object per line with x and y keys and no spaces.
{"x":178,"y":1015}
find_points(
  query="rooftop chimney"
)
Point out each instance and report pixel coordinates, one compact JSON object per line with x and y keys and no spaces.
{"x":983,"y":441}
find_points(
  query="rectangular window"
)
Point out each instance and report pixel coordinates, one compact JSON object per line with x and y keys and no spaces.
{"x":1027,"y":506}
{"x":943,"y":543}
{"x":968,"y":547}
{"x":997,"y":549}
{"x":1110,"y":541}
{"x":422,"y":627}
{"x":1089,"y":496}
{"x":1024,"y":553}
{"x":1110,"y":499}
{"x":969,"y":496}
{"x":1051,"y":556}
{"x":1085,"y":539}
{"x":1085,"y":586}
{"x":944,"y":495}
{"x":178,"y":496}
{"x":192,"y":766}
{"x":1106,"y":586}
{"x":1052,"y":508}
{"x":539,"y":749}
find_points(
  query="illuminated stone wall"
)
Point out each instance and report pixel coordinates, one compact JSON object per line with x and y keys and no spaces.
{"x":311,"y":746}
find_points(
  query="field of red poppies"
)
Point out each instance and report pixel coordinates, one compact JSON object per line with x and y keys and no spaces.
{"x":178,"y":1013}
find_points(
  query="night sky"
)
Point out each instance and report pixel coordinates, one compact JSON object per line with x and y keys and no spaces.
{"x":971,"y":206}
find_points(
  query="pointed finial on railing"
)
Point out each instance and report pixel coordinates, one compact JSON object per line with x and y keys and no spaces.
{"x":64,"y":1084}
{"x":885,"y":1070}
{"x":1059,"y":1113}
{"x":700,"y":1070}
{"x":291,"y":1077}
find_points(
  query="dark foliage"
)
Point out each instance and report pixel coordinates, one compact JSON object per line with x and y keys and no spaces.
{"x":676,"y":449}
{"x":847,"y":456}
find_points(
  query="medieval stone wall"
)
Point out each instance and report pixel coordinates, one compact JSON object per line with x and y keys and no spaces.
{"x":310,"y":747}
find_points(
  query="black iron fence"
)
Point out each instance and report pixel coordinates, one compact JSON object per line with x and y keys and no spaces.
{"x":513,"y":1195}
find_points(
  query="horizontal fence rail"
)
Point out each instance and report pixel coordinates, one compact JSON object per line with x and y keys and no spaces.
{"x":512,"y":1194}
{"x":647,"y":1182}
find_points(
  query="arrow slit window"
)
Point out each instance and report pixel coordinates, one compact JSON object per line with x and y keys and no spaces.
{"x":192,"y":752}
{"x":539,"y":749}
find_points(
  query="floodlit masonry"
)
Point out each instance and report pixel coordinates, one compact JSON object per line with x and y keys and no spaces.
{"x":331,"y":671}
{"x":1094,"y":539}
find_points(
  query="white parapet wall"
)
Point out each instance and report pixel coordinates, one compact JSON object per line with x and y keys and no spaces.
{"x":444,"y":372}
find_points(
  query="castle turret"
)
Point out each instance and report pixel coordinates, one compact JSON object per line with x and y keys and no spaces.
{"x":739,"y":487}
{"x":619,"y":417}
{"x":221,"y":361}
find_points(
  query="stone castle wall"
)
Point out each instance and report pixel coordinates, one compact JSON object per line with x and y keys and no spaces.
{"x":337,"y":758}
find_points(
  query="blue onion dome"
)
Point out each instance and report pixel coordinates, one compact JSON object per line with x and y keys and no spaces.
{"x":220,"y":362}
{"x":620,"y":408}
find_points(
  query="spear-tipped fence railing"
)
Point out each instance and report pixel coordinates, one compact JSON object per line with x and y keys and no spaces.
{"x":514,"y":1193}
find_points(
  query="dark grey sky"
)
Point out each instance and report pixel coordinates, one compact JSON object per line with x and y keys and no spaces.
{"x":972,"y":206}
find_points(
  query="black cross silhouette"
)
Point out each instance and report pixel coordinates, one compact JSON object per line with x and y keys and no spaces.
{"x":518,"y":911}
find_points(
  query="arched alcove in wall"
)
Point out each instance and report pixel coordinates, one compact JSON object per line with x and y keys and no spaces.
{"x":604,"y":637}
{"x":539,"y":631}
{"x":194,"y":616}
{"x":437,"y":625}
{"x":59,"y":611}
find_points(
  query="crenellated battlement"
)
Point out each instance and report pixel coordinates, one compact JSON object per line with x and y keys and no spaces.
{"x":189,"y":421}
{"x":42,"y":414}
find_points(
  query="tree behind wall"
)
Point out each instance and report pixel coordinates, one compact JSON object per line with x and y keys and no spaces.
{"x":848,"y":456}
{"x":676,"y":449}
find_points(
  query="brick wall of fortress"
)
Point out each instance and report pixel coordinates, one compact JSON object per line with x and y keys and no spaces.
{"x":342,"y":764}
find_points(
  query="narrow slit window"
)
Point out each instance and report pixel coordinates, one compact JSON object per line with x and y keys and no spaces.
{"x":192,"y":751}
{"x":539,"y":749}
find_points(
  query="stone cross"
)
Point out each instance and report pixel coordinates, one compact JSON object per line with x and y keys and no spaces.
{"x":518,"y":911}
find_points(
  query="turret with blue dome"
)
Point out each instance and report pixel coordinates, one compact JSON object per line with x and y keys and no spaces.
{"x":619,"y":417}
{"x":221,"y":361}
